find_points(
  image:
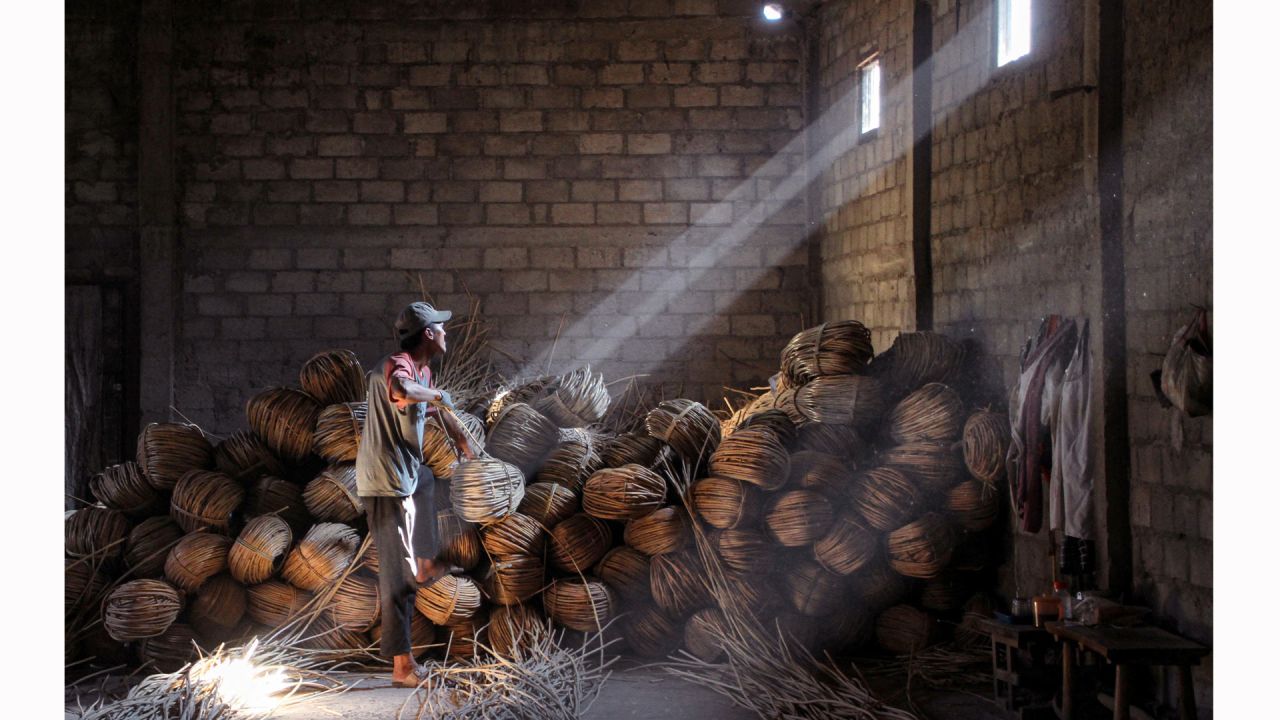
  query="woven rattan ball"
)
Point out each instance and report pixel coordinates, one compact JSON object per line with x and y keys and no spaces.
{"x":839,"y":441}
{"x":828,"y":474}
{"x":140,"y":609}
{"x":917,"y":358}
{"x":123,"y":487}
{"x":687,"y":426}
{"x":630,"y":491}
{"x":219,"y":606}
{"x":579,"y":542}
{"x":921,"y":549}
{"x":197,"y":557}
{"x":798,"y":517}
{"x":834,"y":348}
{"x":848,"y":546}
{"x":515,"y":628}
{"x":149,"y":544}
{"x":166,"y":451}
{"x":746,"y":550}
{"x":974,"y":505}
{"x":514,"y":534}
{"x":665,"y":530}
{"x":903,"y":629}
{"x":356,"y":603}
{"x":83,"y":584}
{"x":333,"y":376}
{"x":513,"y":579}
{"x":459,"y":541}
{"x":579,"y":604}
{"x":986,"y":442}
{"x":465,"y":637}
{"x":169,"y":651}
{"x":677,"y":583}
{"x":450,"y":599}
{"x":651,"y":632}
{"x":320,"y":557}
{"x":522,"y":436}
{"x":704,"y":634}
{"x":338,"y":431}
{"x":813,"y":591}
{"x":572,"y":461}
{"x":205,"y":499}
{"x":259,"y":550}
{"x":96,"y":532}
{"x":933,"y":413}
{"x":886,"y":498}
{"x":486,"y":490}
{"x":854,"y":400}
{"x":286,"y":420}
{"x":626,"y":571}
{"x":244,"y":457}
{"x":725,"y":503}
{"x":272,"y":496}
{"x":934,"y":467}
{"x":332,"y":496}
{"x":753,"y":455}
{"x":549,"y":503}
{"x":275,"y":602}
{"x":631,"y":448}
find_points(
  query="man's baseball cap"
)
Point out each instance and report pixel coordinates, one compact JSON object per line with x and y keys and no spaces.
{"x":417,"y":316}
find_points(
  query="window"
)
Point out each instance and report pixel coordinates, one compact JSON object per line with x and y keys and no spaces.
{"x":1013,"y":30}
{"x":869,"y":94}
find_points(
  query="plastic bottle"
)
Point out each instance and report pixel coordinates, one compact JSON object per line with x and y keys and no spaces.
{"x":1065,"y":600}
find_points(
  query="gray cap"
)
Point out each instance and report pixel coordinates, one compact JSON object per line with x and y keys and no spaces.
{"x":417,"y":316}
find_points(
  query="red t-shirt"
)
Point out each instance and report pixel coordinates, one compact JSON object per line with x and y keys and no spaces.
{"x":403,"y":367}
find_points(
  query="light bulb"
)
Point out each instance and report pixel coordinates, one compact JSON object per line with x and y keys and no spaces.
{"x":772,"y":11}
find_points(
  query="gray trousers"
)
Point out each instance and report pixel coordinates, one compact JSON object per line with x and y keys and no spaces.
{"x":403,"y":529}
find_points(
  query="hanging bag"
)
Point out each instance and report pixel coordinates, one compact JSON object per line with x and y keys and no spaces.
{"x":1185,"y":380}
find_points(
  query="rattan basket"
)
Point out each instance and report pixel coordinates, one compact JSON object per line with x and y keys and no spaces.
{"x":272,"y":496}
{"x":974,"y":505}
{"x":917,"y":358}
{"x":96,"y":532}
{"x":842,"y":347}
{"x":140,"y":609}
{"x":986,"y":443}
{"x":854,"y":400}
{"x":665,"y":530}
{"x":651,"y":632}
{"x":753,"y":455}
{"x":149,"y":544}
{"x":339,"y":428}
{"x":166,"y":451}
{"x":244,"y":457}
{"x":320,"y":557}
{"x":572,"y":460}
{"x":459,"y":541}
{"x":934,"y":413}
{"x":197,"y":557}
{"x":332,"y":496}
{"x":886,"y":498}
{"x":486,"y":490}
{"x":515,"y":534}
{"x":333,"y":376}
{"x":725,"y":503}
{"x":514,"y":578}
{"x":579,"y":604}
{"x":626,"y":571}
{"x":259,"y":551}
{"x":579,"y":542}
{"x":450,"y":599}
{"x":514,"y":628}
{"x":903,"y":629}
{"x":549,"y":503}
{"x":123,"y":487}
{"x":169,"y":651}
{"x":935,"y":467}
{"x":218,"y":608}
{"x":205,"y":499}
{"x":356,"y":603}
{"x":687,"y":426}
{"x":286,"y":420}
{"x":747,"y":550}
{"x":848,"y":546}
{"x":828,"y":474}
{"x":677,"y":583}
{"x":521,"y":436}
{"x":797,"y":518}
{"x":921,"y":549}
{"x":703,"y":634}
{"x":813,"y":591}
{"x":275,"y":602}
{"x":630,"y":491}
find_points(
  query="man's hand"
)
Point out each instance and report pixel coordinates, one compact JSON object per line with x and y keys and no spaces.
{"x":445,"y":400}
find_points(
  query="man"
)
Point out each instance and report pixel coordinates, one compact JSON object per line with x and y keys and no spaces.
{"x":396,"y":486}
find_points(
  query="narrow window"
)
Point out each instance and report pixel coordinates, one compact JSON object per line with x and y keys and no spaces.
{"x":1013,"y":30}
{"x":869,"y":97}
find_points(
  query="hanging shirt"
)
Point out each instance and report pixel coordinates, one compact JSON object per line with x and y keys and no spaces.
{"x":390,"y":450}
{"x":1071,"y":476}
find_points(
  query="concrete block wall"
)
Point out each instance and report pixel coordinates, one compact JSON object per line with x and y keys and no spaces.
{"x":577,"y":167}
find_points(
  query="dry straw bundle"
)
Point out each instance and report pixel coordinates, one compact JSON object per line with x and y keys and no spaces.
{"x":244,"y":457}
{"x":123,"y":487}
{"x":664,"y":530}
{"x":83,"y":584}
{"x":922,"y":549}
{"x":575,"y":399}
{"x":651,"y":632}
{"x":450,"y":599}
{"x":772,"y":419}
{"x":521,"y":436}
{"x":140,"y":609}
{"x":286,"y":420}
{"x":676,"y":583}
{"x":170,"y":650}
{"x":356,"y":603}
{"x":813,"y":591}
{"x":848,"y":546}
{"x":726,"y":503}
{"x":96,"y":532}
{"x":798,"y":517}
{"x":259,"y":551}
{"x":548,"y":503}
{"x":855,"y":400}
{"x":578,"y":542}
{"x":631,"y":448}
{"x":835,"y":348}
{"x":754,"y":455}
{"x":338,"y":431}
{"x":746,"y":550}
{"x":333,"y":376}
{"x":323,"y":553}
{"x":936,"y":467}
{"x":623,"y":493}
{"x":149,"y":544}
{"x":626,"y":571}
{"x":514,"y":578}
{"x":886,"y":498}
{"x":579,"y":604}
{"x":219,"y":607}
{"x":205,"y":499}
{"x":272,"y":496}
{"x":197,"y":557}
{"x":903,"y":629}
{"x":275,"y":602}
{"x":459,"y":541}
{"x":687,"y":426}
{"x":917,"y":358}
{"x":932,"y":413}
{"x":840,"y":441}
{"x":515,"y":534}
{"x":827,"y":474}
{"x":572,"y":460}
{"x":332,"y":495}
{"x":166,"y":451}
{"x":974,"y":505}
{"x":514,"y":628}
{"x":486,"y":489}
{"x":703,"y":632}
{"x":986,"y":442}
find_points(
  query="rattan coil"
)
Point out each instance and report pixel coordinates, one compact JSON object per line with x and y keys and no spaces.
{"x":465,"y":637}
{"x":197,"y":557}
{"x":320,"y":557}
{"x":244,"y":457}
{"x":842,"y":347}
{"x":944,"y":593}
{"x":773,"y":419}
{"x":272,"y":496}
{"x":578,"y":604}
{"x":218,"y":608}
{"x":726,"y":503}
{"x":783,"y":399}
{"x":974,"y":505}
{"x":903,"y":629}
{"x":356,"y":603}
{"x":525,"y":392}
{"x":459,"y":541}
{"x":665,"y":530}
{"x":82,"y":584}
{"x":758,"y":594}
{"x":123,"y":487}
{"x":515,"y":534}
{"x":878,"y":585}
{"x":140,"y":609}
{"x":754,"y":455}
{"x":798,"y":517}
{"x":259,"y":551}
{"x":687,"y":426}
{"x":703,"y":634}
{"x":828,"y":474}
{"x":579,"y":542}
{"x":522,"y":436}
{"x":486,"y":490}
{"x":515,"y":628}
{"x":514,"y":578}
{"x":935,"y":467}
{"x":275,"y":602}
{"x":572,"y":460}
{"x":986,"y":443}
{"x":886,"y":498}
{"x":837,"y":440}
{"x":626,"y":571}
{"x":286,"y":420}
{"x":148,"y":545}
{"x":651,"y":632}
{"x":848,"y":546}
{"x":918,"y":358}
{"x":96,"y":532}
{"x":332,"y":496}
{"x":921,"y":549}
{"x":631,"y":448}
{"x":166,"y":451}
{"x":332,"y":642}
{"x":814,"y":591}
{"x":205,"y":499}
{"x":854,"y":400}
{"x":677,"y":584}
{"x":450,"y":599}
{"x":339,"y":428}
{"x":169,"y":651}
{"x":333,"y":376}
{"x":746,"y":550}
{"x":623,"y":493}
{"x":575,"y":399}
{"x":933,"y":413}
{"x":549,"y":503}
{"x":421,"y":634}
{"x":437,"y":449}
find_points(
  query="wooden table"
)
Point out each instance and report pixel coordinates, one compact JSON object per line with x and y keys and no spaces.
{"x":1008,"y":676}
{"x":1125,"y":647}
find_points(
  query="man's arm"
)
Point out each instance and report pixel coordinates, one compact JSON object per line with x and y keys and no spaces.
{"x":406,"y":392}
{"x":461,"y":439}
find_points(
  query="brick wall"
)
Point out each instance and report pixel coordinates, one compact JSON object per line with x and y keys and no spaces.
{"x":569,"y":168}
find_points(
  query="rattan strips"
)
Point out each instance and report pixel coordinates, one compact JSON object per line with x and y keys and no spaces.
{"x":932,"y":413}
{"x":848,"y":546}
{"x":842,"y":347}
{"x":687,"y":426}
{"x":572,"y":461}
{"x":974,"y":505}
{"x":286,"y":420}
{"x":244,"y":457}
{"x":631,"y":448}
{"x":166,"y":451}
{"x":218,"y":607}
{"x":513,"y":578}
{"x":521,"y":436}
{"x":986,"y":442}
{"x":827,"y":474}
{"x":623,"y":493}
{"x":832,"y":439}
{"x":774,"y":419}
{"x":205,"y":499}
{"x":726,"y":503}
{"x":82,"y":584}
{"x":123,"y":487}
{"x":514,"y":628}
{"x":753,"y":455}
{"x":320,"y":557}
{"x":275,"y":602}
{"x":485,"y":490}
{"x":886,"y":498}
{"x":96,"y":532}
{"x":149,"y":544}
{"x":332,"y":496}
{"x":464,"y":637}
{"x":626,"y":571}
{"x":703,"y":632}
{"x":677,"y":584}
{"x":651,"y":632}
{"x":356,"y":603}
{"x":339,"y":428}
{"x":450,"y":599}
{"x":855,"y":400}
{"x":747,"y":550}
{"x":783,"y":399}
{"x":140,"y":609}
{"x":579,"y":604}
{"x":665,"y":530}
{"x":514,"y":534}
{"x":921,"y":549}
{"x":260,"y":549}
{"x":814,"y":591}
{"x":575,"y":399}
{"x":549,"y":502}
{"x":918,"y":358}
{"x":903,"y":629}
{"x":197,"y":557}
{"x":333,"y":376}
{"x":459,"y":541}
{"x":935,"y":467}
{"x":272,"y":496}
{"x":798,"y":517}
{"x":169,"y":651}
{"x":578,"y":542}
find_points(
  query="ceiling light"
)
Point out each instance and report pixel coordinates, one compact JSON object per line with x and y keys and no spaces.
{"x":772,"y":11}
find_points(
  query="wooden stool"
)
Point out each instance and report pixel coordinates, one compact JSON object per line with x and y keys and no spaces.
{"x":1125,"y":647}
{"x":1008,"y":675}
